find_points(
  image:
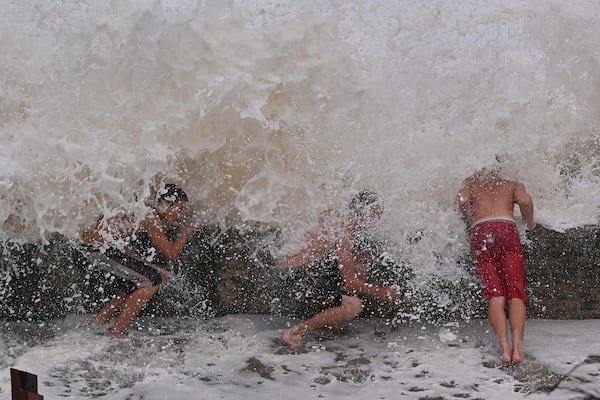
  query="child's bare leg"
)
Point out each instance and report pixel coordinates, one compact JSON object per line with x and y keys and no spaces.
{"x":109,"y":309}
{"x":134,"y":303}
{"x":517,"y":315}
{"x":497,"y":317}
{"x":331,"y":317}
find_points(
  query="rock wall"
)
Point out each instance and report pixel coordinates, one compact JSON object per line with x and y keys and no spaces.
{"x":233,"y":271}
{"x":564,"y":273}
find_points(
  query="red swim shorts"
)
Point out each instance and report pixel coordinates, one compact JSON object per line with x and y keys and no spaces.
{"x":496,"y":248}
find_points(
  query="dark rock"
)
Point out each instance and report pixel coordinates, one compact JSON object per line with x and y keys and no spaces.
{"x":563,"y":273}
{"x":233,"y":271}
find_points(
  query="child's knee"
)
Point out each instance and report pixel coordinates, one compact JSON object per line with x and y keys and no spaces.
{"x":355,"y":305}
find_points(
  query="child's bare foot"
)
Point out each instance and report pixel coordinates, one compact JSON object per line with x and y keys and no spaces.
{"x":119,"y":334}
{"x":505,"y":355}
{"x":294,"y":337}
{"x":96,"y":321}
{"x":517,"y":354}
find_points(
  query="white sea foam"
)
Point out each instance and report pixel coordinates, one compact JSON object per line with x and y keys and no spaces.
{"x":271,"y":111}
{"x":237,"y":357}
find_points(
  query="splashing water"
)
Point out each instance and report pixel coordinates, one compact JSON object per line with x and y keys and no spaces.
{"x":274,"y":111}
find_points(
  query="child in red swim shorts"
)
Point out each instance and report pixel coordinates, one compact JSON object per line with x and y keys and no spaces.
{"x":486,"y":202}
{"x":496,"y":248}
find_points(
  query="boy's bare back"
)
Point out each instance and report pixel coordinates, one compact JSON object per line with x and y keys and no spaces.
{"x":492,"y":199}
{"x":485,"y":199}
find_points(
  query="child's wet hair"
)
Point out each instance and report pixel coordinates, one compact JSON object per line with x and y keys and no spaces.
{"x":362,"y":199}
{"x":171,"y":193}
{"x":484,"y":175}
